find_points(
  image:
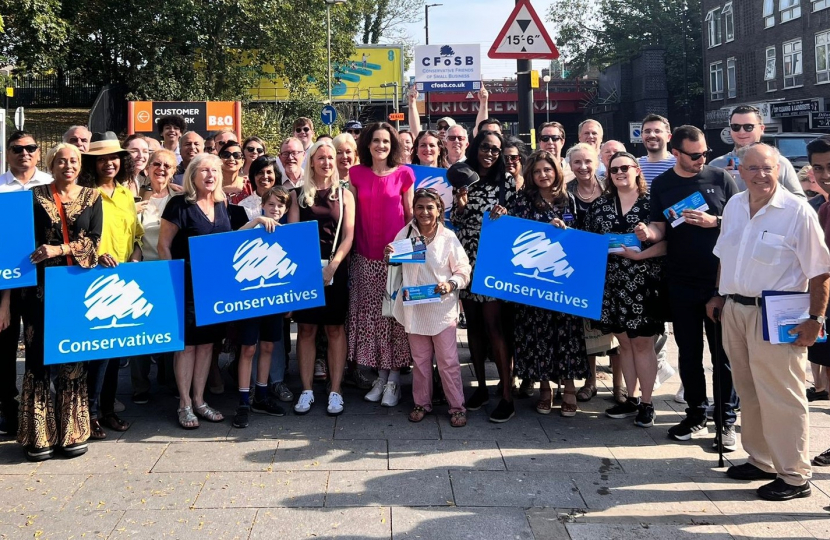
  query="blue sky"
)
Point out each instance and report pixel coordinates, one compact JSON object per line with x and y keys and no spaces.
{"x":476,"y":21}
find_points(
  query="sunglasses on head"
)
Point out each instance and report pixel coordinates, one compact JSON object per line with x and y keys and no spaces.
{"x":18,"y":148}
{"x":621,"y":168}
{"x":305,"y":129}
{"x":489,"y":149}
{"x":696,"y":155}
{"x":746,"y":127}
{"x":228,"y":155}
{"x":424,"y":190}
{"x":255,"y":149}
{"x":554,"y":138}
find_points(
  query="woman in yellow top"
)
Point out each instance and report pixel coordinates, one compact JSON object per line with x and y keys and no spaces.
{"x":107,"y":167}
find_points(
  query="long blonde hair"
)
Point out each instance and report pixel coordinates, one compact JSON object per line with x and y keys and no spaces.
{"x":309,"y":188}
{"x":196,"y":163}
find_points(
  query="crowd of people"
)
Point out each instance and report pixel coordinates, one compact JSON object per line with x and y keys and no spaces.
{"x":104,"y":202}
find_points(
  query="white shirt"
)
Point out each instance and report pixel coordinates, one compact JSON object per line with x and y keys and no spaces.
{"x":780,"y":249}
{"x":9,"y":183}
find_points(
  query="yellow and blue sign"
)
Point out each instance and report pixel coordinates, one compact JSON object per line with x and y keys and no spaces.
{"x":133,"y":309}
{"x":16,"y":270}
{"x":534,"y":263}
{"x":252,"y":273}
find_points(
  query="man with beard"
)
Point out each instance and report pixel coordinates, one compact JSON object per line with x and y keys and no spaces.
{"x":656,"y":133}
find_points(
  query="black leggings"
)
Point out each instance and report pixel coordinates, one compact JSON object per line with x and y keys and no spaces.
{"x":487,"y":323}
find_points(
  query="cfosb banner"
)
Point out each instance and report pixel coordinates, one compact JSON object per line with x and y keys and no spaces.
{"x":17,"y":219}
{"x":448,"y":68}
{"x":537,"y":264}
{"x":133,"y":309}
{"x":252,"y":273}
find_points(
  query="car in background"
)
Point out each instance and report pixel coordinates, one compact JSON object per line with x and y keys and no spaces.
{"x":792,"y":146}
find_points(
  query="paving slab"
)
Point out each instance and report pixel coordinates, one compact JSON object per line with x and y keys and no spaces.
{"x":107,"y":458}
{"x":217,"y":456}
{"x":690,"y":458}
{"x":13,"y":459}
{"x":598,"y":433}
{"x":391,"y":427}
{"x":59,"y":525}
{"x":289,"y":426}
{"x":264,"y":490}
{"x":544,"y":458}
{"x":228,"y":524}
{"x":165,"y":429}
{"x":385,"y":488}
{"x":459,"y":523}
{"x":484,"y":455}
{"x":767,"y":526}
{"x":522,"y":427}
{"x":735,"y":498}
{"x":818,"y":525}
{"x":592,"y":531}
{"x":37,"y":493}
{"x":516,"y":489}
{"x":298,"y":455}
{"x":546,"y":524}
{"x":323,"y":523}
{"x":138,"y":491}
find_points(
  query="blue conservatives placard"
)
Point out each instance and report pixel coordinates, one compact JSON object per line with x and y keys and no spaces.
{"x":535,"y":263}
{"x":251,"y":273}
{"x":133,"y":309}
{"x":18,"y":223}
{"x":435,"y":178}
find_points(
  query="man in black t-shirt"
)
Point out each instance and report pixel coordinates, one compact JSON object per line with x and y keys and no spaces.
{"x":691,"y":273}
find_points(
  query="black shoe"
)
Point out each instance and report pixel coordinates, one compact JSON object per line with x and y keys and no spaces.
{"x":525,"y":389}
{"x":812,"y":395}
{"x":267,"y":406}
{"x":141,"y":398}
{"x":8,"y":423}
{"x":645,"y":415}
{"x":39,"y":454}
{"x":748,"y":471}
{"x":462,"y":321}
{"x":631,"y":407}
{"x":75,"y":450}
{"x":242,"y":417}
{"x":503,"y":412}
{"x":689,"y":428}
{"x":778,"y":490}
{"x":823,"y":459}
{"x":479,"y":399}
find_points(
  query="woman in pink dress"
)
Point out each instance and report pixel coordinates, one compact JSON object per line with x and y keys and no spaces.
{"x":383,"y":190}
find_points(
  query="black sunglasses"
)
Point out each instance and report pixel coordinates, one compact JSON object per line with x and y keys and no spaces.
{"x":18,"y":148}
{"x":621,"y":168}
{"x":353,"y":131}
{"x":696,"y":155}
{"x":228,"y":155}
{"x":737,"y":127}
{"x":554,"y":138}
{"x":512,"y":158}
{"x":304,"y":128}
{"x":255,"y":150}
{"x":209,"y":149}
{"x":443,"y":127}
{"x":486,"y":148}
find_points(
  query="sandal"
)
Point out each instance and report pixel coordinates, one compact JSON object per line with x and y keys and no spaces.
{"x":96,"y":432}
{"x":568,"y":410}
{"x":586,"y":392}
{"x":458,"y":419}
{"x":113,"y":422}
{"x":417,"y":414}
{"x":208,"y":413}
{"x":187,"y":419}
{"x":543,"y":406}
{"x":620,"y":395}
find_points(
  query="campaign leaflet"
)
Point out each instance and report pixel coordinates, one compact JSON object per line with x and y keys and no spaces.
{"x":674,"y":213}
{"x":617,"y":241}
{"x":409,"y":250}
{"x":422,"y":294}
{"x":785,"y":325}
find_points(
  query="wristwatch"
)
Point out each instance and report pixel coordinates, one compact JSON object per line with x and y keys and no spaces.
{"x":819,"y":318}
{"x":720,"y":220}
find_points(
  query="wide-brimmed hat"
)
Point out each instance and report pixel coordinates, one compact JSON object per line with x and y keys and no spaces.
{"x":461,"y":175}
{"x":102,"y":144}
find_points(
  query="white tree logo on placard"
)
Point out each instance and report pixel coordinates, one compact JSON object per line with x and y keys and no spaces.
{"x":533,"y":250}
{"x":256,"y":260}
{"x":112,"y":299}
{"x":439,"y":184}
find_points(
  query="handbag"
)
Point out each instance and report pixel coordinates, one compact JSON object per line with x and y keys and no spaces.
{"x":324,"y":262}
{"x":394,"y":282}
{"x":598,"y":343}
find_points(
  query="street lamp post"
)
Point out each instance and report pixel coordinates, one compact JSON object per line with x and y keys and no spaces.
{"x":329,"y":3}
{"x":394,"y":85}
{"x":546,"y":78}
{"x":426,"y":28}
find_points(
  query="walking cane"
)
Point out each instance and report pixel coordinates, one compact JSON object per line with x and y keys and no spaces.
{"x":717,"y":378}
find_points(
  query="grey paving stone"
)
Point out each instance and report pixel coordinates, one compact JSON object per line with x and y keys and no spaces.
{"x":817,"y":525}
{"x":58,"y":525}
{"x":107,"y":458}
{"x":819,"y":439}
{"x":767,"y":526}
{"x":37,"y":493}
{"x":217,"y":456}
{"x":546,"y":524}
{"x":516,"y":489}
{"x":735,"y":498}
{"x":445,"y":454}
{"x":299,"y":455}
{"x":137,"y":491}
{"x":390,"y":427}
{"x":289,"y":426}
{"x":460,"y":523}
{"x":598,"y":433}
{"x":592,"y":531}
{"x":689,"y":458}
{"x":13,"y":459}
{"x":389,"y":488}
{"x":323,"y":523}
{"x":640,"y":495}
{"x":165,"y":428}
{"x":264,"y":490}
{"x":230,"y":524}
{"x":544,"y":458}
{"x":522,"y":427}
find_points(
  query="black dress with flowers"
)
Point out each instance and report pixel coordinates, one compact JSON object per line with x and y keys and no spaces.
{"x":549,"y":345}
{"x":632,"y":297}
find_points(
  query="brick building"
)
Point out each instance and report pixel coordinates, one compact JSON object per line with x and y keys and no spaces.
{"x":774,"y":54}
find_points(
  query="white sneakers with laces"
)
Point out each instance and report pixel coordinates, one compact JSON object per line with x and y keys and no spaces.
{"x":303,"y":404}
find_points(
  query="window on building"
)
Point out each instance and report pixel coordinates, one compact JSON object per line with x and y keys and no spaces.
{"x":713,"y":24}
{"x":790,"y":9}
{"x":769,"y":13}
{"x":716,"y":80}
{"x":793,"y":65}
{"x":823,"y":57}
{"x":820,"y":4}
{"x":731,"y":78}
{"x":769,"y":70}
{"x":728,"y":21}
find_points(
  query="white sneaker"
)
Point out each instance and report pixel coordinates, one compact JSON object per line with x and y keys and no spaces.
{"x":304,"y":403}
{"x":320,"y":370}
{"x":678,"y":397}
{"x":335,"y":404}
{"x":664,"y":373}
{"x":376,"y":392}
{"x":391,"y":394}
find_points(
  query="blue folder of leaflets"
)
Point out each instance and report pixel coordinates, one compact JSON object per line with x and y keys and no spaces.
{"x":785,"y":323}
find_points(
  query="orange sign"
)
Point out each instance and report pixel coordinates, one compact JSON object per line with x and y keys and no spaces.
{"x":396,"y":116}
{"x":202,"y":117}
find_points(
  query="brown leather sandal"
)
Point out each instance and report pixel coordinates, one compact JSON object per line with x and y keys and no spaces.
{"x":417,"y":414}
{"x":568,"y":410}
{"x":458,"y":419}
{"x":96,"y":432}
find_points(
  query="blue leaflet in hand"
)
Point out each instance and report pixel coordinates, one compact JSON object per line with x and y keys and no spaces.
{"x":674,"y":213}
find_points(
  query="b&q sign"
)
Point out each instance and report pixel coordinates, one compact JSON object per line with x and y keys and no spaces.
{"x":202,"y":117}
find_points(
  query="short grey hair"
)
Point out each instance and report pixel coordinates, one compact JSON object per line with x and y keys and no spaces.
{"x":742,"y":152}
{"x":73,"y":128}
{"x":612,"y":141}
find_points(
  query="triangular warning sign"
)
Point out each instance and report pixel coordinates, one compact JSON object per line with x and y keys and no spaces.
{"x":524,"y":36}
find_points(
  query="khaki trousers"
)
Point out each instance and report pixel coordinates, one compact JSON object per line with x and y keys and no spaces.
{"x":770,"y":380}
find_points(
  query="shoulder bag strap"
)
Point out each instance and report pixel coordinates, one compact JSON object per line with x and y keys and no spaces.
{"x":64,"y":224}
{"x":339,"y":223}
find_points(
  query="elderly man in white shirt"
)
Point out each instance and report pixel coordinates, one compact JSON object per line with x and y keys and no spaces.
{"x":22,"y":156}
{"x":770,"y":240}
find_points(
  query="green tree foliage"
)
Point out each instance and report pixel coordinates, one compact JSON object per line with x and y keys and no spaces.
{"x":598,"y":33}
